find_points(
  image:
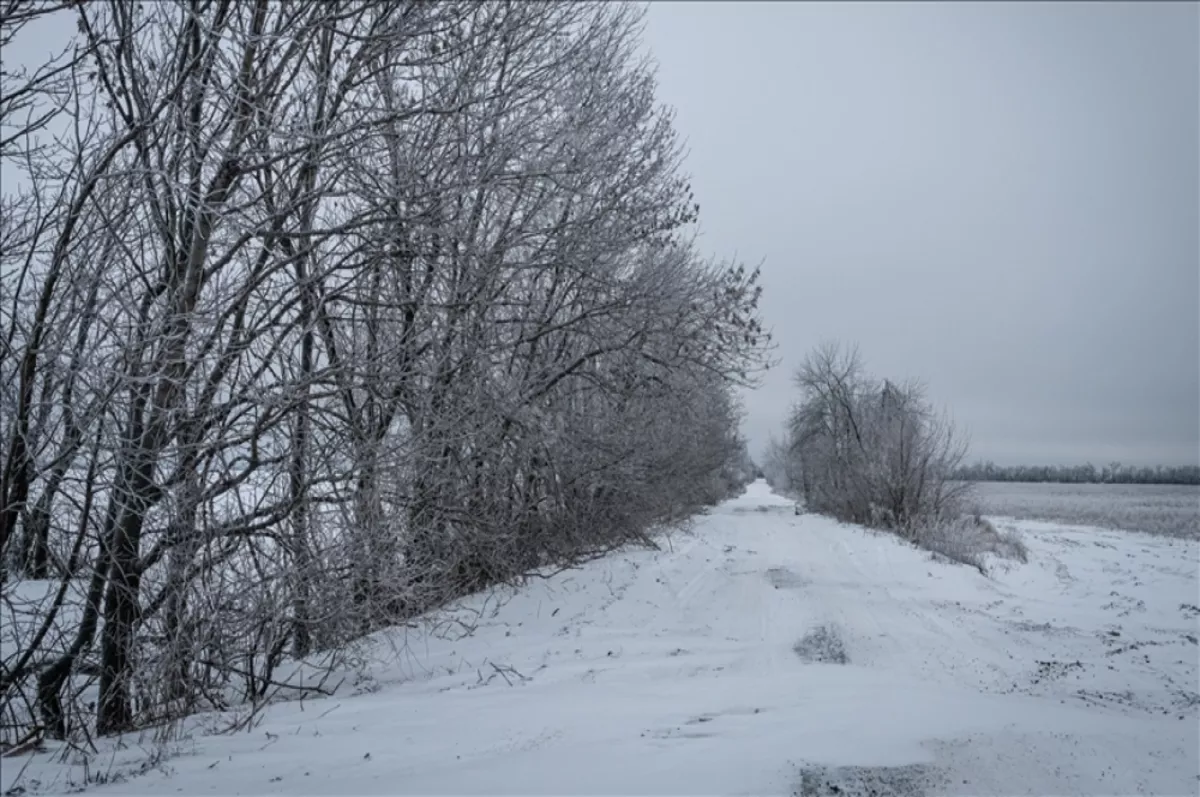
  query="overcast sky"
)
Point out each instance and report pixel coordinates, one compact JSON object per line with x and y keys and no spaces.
{"x":999,"y":199}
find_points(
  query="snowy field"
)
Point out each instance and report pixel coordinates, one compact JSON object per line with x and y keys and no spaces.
{"x":1172,"y":510}
{"x":760,"y":653}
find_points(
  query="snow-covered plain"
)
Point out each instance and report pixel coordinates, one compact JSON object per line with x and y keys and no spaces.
{"x":759,"y":653}
{"x":1170,"y":510}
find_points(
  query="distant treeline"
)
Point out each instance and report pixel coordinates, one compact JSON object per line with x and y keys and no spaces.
{"x":1114,"y":473}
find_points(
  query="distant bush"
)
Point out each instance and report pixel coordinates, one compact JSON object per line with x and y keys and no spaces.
{"x":869,"y":451}
{"x":879,"y":454}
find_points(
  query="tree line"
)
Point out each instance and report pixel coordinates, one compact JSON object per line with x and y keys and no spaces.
{"x":319,"y":314}
{"x":1112,"y":473}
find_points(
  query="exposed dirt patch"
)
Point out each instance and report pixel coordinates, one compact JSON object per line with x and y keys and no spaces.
{"x":1049,"y":629}
{"x":1186,"y":699}
{"x":1137,"y":646}
{"x":762,"y":509}
{"x":1124,"y":605}
{"x":1053,"y":670}
{"x":1097,"y":697}
{"x":822,"y":645}
{"x":912,"y":780}
{"x":782,"y":578}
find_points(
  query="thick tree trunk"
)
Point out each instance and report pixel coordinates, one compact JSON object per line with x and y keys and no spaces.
{"x":121,"y":605}
{"x":115,"y":708}
{"x":185,"y":542}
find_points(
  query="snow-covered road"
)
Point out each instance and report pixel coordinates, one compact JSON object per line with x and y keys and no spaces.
{"x":765,"y":653}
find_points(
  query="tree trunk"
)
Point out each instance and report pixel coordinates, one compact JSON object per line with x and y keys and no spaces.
{"x":121,"y":605}
{"x":185,"y":543}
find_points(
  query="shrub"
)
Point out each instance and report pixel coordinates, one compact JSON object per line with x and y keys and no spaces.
{"x":969,"y":540}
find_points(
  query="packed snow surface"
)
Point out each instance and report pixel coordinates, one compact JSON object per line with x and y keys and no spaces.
{"x":761,"y":652}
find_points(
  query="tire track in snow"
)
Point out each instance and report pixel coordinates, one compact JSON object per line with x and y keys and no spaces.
{"x":688,"y":593}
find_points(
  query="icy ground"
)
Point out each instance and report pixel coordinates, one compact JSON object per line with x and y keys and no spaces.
{"x":762,"y":653}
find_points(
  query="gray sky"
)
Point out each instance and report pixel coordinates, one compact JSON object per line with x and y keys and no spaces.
{"x":999,"y":199}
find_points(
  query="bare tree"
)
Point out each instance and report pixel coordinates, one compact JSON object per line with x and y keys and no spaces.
{"x":872,"y":452}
